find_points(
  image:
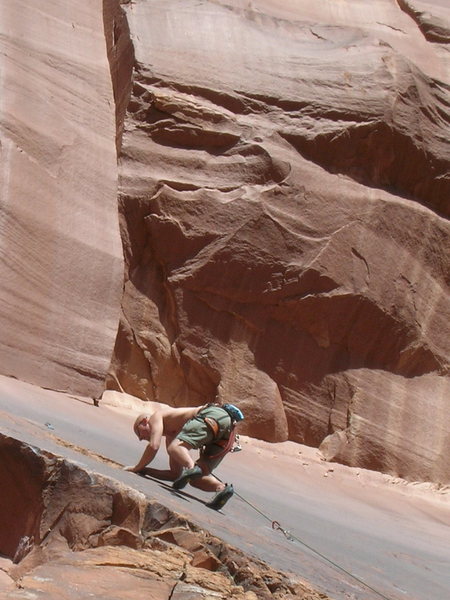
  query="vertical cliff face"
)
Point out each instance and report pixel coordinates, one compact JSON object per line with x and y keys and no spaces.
{"x":61,"y":261}
{"x":284,"y":195}
{"x":284,"y":198}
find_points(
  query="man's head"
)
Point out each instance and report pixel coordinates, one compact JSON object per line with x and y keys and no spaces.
{"x":141,"y":427}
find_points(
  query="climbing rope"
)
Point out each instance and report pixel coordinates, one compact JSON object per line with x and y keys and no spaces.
{"x":292,"y":538}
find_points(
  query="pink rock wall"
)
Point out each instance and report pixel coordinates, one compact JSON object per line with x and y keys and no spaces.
{"x":283,"y":185}
{"x":61,"y":260}
{"x":284,"y":195}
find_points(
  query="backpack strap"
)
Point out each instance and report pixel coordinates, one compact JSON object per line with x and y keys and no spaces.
{"x":213,"y":424}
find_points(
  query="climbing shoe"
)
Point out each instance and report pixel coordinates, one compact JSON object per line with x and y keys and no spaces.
{"x":186,"y":476}
{"x":222,"y":497}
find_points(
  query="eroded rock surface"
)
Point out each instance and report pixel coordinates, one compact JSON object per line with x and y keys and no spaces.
{"x":284,"y":195}
{"x":284,"y":200}
{"x":72,"y":533}
{"x":60,"y":255}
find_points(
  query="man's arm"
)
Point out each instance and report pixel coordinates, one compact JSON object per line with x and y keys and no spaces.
{"x":156,"y":431}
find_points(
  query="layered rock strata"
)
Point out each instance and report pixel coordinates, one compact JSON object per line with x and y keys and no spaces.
{"x":61,"y":263}
{"x":284,"y":201}
{"x":72,"y":533}
{"x":284,"y":195}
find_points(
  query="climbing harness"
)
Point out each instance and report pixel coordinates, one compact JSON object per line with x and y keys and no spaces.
{"x":212,"y":424}
{"x":226,"y":444}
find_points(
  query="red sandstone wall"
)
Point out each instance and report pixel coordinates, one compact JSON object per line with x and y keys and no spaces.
{"x":284,"y":198}
{"x":61,"y":260}
{"x":283,"y":185}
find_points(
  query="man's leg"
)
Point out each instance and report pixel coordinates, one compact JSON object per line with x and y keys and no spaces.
{"x":205,"y":481}
{"x":208,"y":483}
{"x":169,"y":474}
{"x":163,"y":474}
{"x":179,"y":456}
{"x":199,"y":475}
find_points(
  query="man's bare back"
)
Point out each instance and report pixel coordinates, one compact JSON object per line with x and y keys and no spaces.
{"x":173,"y":418}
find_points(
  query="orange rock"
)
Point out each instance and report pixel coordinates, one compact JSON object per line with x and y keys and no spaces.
{"x":286,"y":235}
{"x":80,"y":547}
{"x":283,"y":207}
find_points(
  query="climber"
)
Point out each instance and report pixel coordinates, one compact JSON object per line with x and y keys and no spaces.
{"x":209,"y":428}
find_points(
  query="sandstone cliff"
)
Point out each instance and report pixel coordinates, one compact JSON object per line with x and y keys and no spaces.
{"x":61,"y":263}
{"x":284,"y":189}
{"x":283,"y":186}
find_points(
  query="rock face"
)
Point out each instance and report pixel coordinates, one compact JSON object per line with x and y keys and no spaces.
{"x":283,"y":184}
{"x":86,"y":535}
{"x":284,"y":194}
{"x":60,"y":256}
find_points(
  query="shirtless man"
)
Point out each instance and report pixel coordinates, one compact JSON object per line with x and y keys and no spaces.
{"x":185,"y":429}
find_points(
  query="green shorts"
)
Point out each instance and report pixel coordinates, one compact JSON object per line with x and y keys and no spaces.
{"x":197,"y":433}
